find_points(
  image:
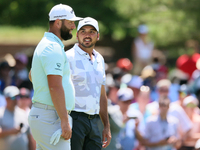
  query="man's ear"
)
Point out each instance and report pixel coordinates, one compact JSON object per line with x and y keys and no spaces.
{"x":58,"y":23}
{"x":77,"y":35}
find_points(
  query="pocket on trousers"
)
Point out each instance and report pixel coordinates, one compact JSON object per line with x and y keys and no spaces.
{"x":50,"y":117}
{"x":74,"y":116}
{"x":32,"y":118}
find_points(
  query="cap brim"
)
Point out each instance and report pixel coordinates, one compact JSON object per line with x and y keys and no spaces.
{"x":75,"y":19}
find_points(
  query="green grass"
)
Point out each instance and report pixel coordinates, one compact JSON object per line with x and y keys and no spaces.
{"x":20,"y":35}
{"x":30,"y":35}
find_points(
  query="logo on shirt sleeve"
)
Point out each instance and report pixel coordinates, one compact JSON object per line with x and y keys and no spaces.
{"x":58,"y":66}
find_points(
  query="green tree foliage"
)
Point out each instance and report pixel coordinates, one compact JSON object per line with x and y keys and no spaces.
{"x":171,"y":22}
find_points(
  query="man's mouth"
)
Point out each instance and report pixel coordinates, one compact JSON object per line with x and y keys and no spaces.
{"x":87,"y":40}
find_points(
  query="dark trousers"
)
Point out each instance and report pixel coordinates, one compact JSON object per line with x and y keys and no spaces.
{"x":186,"y":148}
{"x":85,"y":132}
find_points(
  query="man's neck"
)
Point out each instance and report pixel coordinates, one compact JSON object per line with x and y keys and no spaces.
{"x":56,"y":33}
{"x":87,"y":50}
{"x":163,"y":116}
{"x":11,"y":109}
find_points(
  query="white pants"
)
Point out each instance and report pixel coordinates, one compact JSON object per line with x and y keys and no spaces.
{"x":43,"y":123}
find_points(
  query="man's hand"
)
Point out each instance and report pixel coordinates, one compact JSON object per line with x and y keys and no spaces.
{"x":15,"y":130}
{"x":66,"y":129}
{"x":106,"y":134}
{"x":172,"y":140}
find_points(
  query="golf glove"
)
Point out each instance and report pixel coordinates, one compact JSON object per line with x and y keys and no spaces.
{"x":56,"y":137}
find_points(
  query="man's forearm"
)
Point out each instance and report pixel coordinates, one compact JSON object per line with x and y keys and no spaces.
{"x":58,"y":99}
{"x":58,"y":96}
{"x":160,"y":143}
{"x":4,"y":133}
{"x":104,"y":111}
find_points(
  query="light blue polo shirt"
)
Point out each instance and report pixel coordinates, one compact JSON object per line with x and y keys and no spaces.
{"x":49,"y":59}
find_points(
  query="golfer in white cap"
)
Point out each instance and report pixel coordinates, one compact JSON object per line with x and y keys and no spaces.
{"x":88,"y":76}
{"x":54,"y":93}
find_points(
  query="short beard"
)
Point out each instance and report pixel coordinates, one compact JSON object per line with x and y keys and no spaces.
{"x":87,"y":46}
{"x":64,"y":32}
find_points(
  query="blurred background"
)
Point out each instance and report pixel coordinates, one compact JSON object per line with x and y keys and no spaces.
{"x":173,"y":25}
{"x":151,"y":48}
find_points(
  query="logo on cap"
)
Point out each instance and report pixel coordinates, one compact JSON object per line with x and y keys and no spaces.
{"x":72,"y":11}
{"x":60,"y":16}
{"x":87,"y":21}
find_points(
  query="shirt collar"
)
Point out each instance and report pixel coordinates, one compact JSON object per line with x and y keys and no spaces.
{"x":51,"y":35}
{"x":163,"y":120}
{"x":82,"y":52}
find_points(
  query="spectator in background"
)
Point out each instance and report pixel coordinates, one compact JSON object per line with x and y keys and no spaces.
{"x":187,"y":62}
{"x":142,"y":100}
{"x":161,"y":131}
{"x":126,"y":135}
{"x":162,"y":90}
{"x":20,"y":72}
{"x":142,"y":50}
{"x":190,"y":104}
{"x":135,"y":83}
{"x":5,"y":79}
{"x":174,"y":110}
{"x":24,"y":101}
{"x":124,"y":64}
{"x":149,"y":79}
{"x":183,"y":92}
{"x":14,"y":129}
{"x":116,"y":122}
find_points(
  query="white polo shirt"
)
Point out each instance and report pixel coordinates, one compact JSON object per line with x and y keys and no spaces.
{"x":49,"y":59}
{"x":88,"y":77}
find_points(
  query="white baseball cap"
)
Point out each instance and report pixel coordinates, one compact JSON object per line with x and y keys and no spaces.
{"x":62,"y":11}
{"x":11,"y":91}
{"x":125,"y":94}
{"x":143,"y":29}
{"x":88,"y":21}
{"x":135,"y":82}
{"x":190,"y":99}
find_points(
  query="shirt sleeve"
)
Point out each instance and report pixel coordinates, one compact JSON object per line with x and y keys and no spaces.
{"x":53,"y":60}
{"x":184,"y":121}
{"x":147,"y":131}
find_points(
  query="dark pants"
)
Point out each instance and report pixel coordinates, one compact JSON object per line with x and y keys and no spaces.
{"x":186,"y":148}
{"x":85,"y":132}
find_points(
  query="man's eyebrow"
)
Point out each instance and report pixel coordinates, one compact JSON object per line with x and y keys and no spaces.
{"x":93,"y":29}
{"x":90,"y":29}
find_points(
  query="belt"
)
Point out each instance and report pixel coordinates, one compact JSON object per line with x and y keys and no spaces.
{"x":46,"y":107}
{"x":85,"y":115}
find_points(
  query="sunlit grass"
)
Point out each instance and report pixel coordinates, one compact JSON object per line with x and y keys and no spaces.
{"x":20,"y":35}
{"x":31,"y":35}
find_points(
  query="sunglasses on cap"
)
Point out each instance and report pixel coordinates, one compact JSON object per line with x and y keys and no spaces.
{"x":15,"y":97}
{"x":24,"y":96}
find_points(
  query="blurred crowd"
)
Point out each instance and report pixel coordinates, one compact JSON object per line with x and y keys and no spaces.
{"x":150,"y":106}
{"x":153,"y":107}
{"x":15,"y":102}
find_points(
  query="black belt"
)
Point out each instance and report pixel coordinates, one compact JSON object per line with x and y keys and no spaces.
{"x":85,"y":115}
